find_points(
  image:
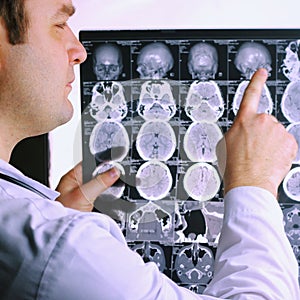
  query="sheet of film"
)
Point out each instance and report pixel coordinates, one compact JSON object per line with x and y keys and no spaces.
{"x":155,"y":105}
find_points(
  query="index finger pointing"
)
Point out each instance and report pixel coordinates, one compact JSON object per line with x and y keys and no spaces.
{"x":251,"y":98}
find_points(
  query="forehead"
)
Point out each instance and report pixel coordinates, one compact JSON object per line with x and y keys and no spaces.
{"x":47,"y":9}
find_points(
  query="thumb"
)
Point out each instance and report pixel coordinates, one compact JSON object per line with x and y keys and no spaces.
{"x":251,"y":98}
{"x":93,"y":188}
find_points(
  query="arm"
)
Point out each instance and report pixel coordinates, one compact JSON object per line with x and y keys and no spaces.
{"x":254,"y":258}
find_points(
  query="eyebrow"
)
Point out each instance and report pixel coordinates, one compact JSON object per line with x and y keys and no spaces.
{"x":65,"y":9}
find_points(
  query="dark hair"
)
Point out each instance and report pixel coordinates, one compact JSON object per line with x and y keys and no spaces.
{"x":14,"y":16}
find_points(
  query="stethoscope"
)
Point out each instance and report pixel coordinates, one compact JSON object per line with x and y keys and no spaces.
{"x":22,"y":184}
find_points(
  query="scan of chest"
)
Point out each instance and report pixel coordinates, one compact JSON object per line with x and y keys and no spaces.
{"x":156,"y":101}
{"x":204,"y":101}
{"x":108,"y":101}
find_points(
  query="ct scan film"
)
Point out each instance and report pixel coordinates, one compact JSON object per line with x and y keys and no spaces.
{"x":155,"y":103}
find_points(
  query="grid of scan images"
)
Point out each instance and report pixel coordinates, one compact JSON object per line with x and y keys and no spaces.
{"x":155,"y":103}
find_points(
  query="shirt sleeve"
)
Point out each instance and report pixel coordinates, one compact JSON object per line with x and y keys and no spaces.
{"x":254,"y":258}
{"x":92,"y":261}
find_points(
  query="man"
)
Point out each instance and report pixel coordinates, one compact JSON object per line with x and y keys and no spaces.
{"x":48,"y":251}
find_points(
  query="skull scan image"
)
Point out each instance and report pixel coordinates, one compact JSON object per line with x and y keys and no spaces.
{"x":201,"y":182}
{"x":156,"y":140}
{"x":292,"y":229}
{"x":154,"y":61}
{"x":115,"y":190}
{"x":153,"y":180}
{"x":265,"y":104}
{"x":204,"y":102}
{"x":194,"y":264}
{"x":291,"y":184}
{"x":150,"y":220}
{"x":189,"y":223}
{"x":294,"y":129}
{"x":108,"y":101}
{"x":151,"y":252}
{"x":200,"y":141}
{"x":290,"y":104}
{"x":107,"y":62}
{"x":156,"y":101}
{"x":291,"y":63}
{"x":292,"y":223}
{"x":213,"y":213}
{"x":250,"y":57}
{"x":203,"y":61}
{"x":109,"y":141}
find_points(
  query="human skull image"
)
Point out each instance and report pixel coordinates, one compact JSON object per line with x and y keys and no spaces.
{"x":291,"y":63}
{"x":250,"y":57}
{"x":203,"y":61}
{"x":291,"y":184}
{"x":154,"y":61}
{"x":265,"y":104}
{"x":107,"y":62}
{"x":201,"y":182}
{"x":200,"y":141}
{"x":292,"y":229}
{"x":156,"y":140}
{"x":194,"y":264}
{"x":108,"y":101}
{"x":150,"y":219}
{"x":151,"y":252}
{"x":294,"y":129}
{"x":109,"y":141}
{"x":156,"y":101}
{"x":204,"y":101}
{"x":153,"y":180}
{"x":292,"y":223}
{"x":290,"y":104}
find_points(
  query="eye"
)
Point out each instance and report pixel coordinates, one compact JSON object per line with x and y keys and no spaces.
{"x":62,"y":25}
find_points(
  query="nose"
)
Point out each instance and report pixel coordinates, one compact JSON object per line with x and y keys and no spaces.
{"x":77,"y":53}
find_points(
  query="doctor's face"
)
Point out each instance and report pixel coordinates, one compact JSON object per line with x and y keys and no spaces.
{"x":39,"y":73}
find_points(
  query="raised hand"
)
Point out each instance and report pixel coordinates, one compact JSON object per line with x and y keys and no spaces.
{"x":257,"y":149}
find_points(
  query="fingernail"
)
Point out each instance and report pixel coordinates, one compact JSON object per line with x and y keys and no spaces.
{"x":114,"y":172}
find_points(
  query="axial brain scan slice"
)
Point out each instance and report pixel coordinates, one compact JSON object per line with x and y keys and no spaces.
{"x":154,"y":180}
{"x":250,"y":57}
{"x":201,"y":140}
{"x":156,"y":140}
{"x":290,"y":104}
{"x":291,"y":184}
{"x":291,"y":63}
{"x":156,"y":101}
{"x":155,"y":104}
{"x":108,"y":101}
{"x":294,"y":129}
{"x":265,"y":104}
{"x":201,"y":182}
{"x":109,"y":141}
{"x":194,"y":264}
